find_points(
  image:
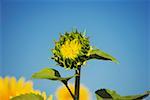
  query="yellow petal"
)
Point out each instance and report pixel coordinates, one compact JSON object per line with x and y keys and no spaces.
{"x":10,"y":87}
{"x":13,"y":85}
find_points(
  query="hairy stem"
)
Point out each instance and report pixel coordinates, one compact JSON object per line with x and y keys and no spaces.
{"x":77,"y":84}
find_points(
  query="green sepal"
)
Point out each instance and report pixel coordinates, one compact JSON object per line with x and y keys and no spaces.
{"x":101,"y":55}
{"x":29,"y":96}
{"x":104,"y":94}
{"x":50,"y":74}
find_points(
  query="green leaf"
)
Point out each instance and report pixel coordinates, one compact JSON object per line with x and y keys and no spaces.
{"x":30,"y":96}
{"x":50,"y":74}
{"x":110,"y":94}
{"x":99,"y":54}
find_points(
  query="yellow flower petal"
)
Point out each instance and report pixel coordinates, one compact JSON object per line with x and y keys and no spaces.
{"x":13,"y":86}
{"x":70,"y":49}
{"x":10,"y":87}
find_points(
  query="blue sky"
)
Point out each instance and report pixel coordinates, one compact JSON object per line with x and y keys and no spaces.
{"x":121,"y":28}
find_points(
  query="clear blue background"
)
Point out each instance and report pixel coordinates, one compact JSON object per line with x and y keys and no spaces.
{"x":121,"y":28}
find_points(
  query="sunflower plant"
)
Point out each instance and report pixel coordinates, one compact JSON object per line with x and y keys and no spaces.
{"x":71,"y":52}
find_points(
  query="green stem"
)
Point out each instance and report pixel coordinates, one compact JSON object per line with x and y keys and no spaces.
{"x":77,"y":84}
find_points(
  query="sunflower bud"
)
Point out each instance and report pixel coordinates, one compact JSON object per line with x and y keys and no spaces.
{"x":71,"y":50}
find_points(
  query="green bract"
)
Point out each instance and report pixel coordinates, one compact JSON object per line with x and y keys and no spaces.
{"x":71,"y":50}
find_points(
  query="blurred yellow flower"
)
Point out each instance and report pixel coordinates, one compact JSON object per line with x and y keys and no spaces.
{"x":63,"y":94}
{"x":10,"y":87}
